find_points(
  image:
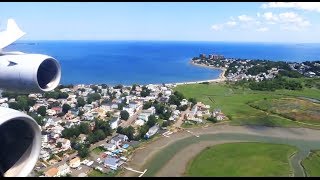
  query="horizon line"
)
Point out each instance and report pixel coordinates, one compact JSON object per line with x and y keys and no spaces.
{"x":288,"y":42}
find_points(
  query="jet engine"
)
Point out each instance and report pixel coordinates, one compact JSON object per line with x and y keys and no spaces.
{"x":28,"y":73}
{"x":20,"y":135}
{"x":20,"y":140}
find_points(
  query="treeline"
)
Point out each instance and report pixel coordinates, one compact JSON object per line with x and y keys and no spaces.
{"x":276,"y":83}
{"x":101,"y":130}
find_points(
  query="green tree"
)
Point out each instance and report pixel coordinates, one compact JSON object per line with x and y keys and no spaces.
{"x":42,"y":110}
{"x":84,"y":128}
{"x":23,"y":103}
{"x":99,"y":134}
{"x":83,"y":151}
{"x":65,"y":108}
{"x":14,"y":105}
{"x":152,"y":120}
{"x":129,"y":131}
{"x":124,"y":115}
{"x":59,"y":144}
{"x":81,"y":102}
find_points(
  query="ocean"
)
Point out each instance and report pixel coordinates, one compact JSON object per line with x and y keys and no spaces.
{"x":153,"y":62}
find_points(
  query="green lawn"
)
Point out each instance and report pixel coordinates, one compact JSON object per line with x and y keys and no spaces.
{"x":243,"y":159}
{"x":95,"y":173}
{"x":233,"y":102}
{"x":312,"y":164}
{"x":98,"y":150}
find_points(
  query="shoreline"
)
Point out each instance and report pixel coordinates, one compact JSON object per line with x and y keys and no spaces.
{"x":221,"y":77}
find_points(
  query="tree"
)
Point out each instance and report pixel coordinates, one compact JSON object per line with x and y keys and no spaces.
{"x":65,"y":108}
{"x":23,"y":103}
{"x":42,"y":110}
{"x":95,"y":88}
{"x":99,"y":134}
{"x":59,"y":144}
{"x":80,"y":113}
{"x":147,"y":105}
{"x":212,"y":119}
{"x":160,"y":95}
{"x":14,"y":105}
{"x":120,"y":130}
{"x":83,"y":151}
{"x":124,"y":115}
{"x":152,"y":120}
{"x":84,"y":128}
{"x":173,"y":99}
{"x":193,"y":101}
{"x":38,"y":119}
{"x":81,"y":102}
{"x":129,"y":131}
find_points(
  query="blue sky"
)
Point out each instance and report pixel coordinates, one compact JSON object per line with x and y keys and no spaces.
{"x":206,"y":21}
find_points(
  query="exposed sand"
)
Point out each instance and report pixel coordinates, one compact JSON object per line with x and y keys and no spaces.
{"x":220,"y":79}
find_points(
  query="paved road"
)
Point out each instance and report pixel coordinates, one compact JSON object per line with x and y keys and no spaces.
{"x":63,"y":161}
{"x":132,"y":119}
{"x":146,"y":157}
{"x":179,"y":122}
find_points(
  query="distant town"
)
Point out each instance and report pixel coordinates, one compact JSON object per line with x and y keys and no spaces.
{"x":90,"y":129}
{"x":258,"y":70}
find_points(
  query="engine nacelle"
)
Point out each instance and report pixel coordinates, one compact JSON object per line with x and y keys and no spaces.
{"x":20,"y":140}
{"x":29,"y":73}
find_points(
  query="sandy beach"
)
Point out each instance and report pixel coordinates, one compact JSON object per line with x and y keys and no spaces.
{"x":220,"y":79}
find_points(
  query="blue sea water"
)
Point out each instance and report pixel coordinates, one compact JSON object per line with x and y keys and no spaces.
{"x":144,"y":62}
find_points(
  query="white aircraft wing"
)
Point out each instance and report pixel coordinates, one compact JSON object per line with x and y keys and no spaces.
{"x":11,"y":34}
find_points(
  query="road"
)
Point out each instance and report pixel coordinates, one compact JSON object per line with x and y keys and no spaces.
{"x":180,"y":120}
{"x":63,"y":161}
{"x":160,"y":151}
{"x":131,"y":119}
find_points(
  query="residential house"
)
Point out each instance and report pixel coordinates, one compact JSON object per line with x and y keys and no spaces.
{"x":75,"y":162}
{"x":119,"y":139}
{"x":114,"y":122}
{"x":82,"y":138}
{"x":152,"y":131}
{"x":110,"y":147}
{"x":44,"y":155}
{"x":144,"y":116}
{"x":51,"y":112}
{"x":65,"y":143}
{"x":6,"y":105}
{"x":111,"y":162}
{"x":63,"y":170}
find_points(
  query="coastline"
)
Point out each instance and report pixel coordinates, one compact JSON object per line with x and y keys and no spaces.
{"x":221,"y":77}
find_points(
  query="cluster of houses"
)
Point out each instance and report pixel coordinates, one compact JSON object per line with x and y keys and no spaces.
{"x":106,"y":108}
{"x":112,"y":158}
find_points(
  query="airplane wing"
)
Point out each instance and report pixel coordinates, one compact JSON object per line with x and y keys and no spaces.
{"x":11,"y":34}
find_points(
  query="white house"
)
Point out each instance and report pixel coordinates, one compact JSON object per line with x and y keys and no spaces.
{"x":44,"y":155}
{"x":114,"y":122}
{"x":65,"y":143}
{"x":118,"y":139}
{"x":110,"y":147}
{"x":63,"y":170}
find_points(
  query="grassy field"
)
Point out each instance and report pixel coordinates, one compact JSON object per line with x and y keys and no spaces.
{"x":233,"y":102}
{"x":312,"y":164}
{"x":243,"y":159}
{"x":98,"y":150}
{"x":292,"y":108}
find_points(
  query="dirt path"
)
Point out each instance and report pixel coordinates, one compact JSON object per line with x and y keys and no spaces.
{"x":145,"y":157}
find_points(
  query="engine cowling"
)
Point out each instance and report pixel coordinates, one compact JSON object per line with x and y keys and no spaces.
{"x":20,"y":140}
{"x":29,"y":73}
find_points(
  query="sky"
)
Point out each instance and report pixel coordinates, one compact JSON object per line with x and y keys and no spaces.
{"x":180,"y":21}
